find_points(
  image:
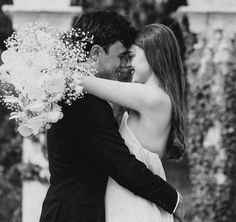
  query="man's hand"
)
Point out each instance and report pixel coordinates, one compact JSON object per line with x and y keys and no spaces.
{"x":180,"y":212}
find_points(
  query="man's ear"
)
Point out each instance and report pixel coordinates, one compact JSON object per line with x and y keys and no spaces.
{"x":96,"y":51}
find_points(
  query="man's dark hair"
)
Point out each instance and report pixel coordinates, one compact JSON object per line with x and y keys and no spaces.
{"x":107,"y":27}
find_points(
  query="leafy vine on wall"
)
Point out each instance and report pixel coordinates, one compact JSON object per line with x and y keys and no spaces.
{"x":212,"y":127}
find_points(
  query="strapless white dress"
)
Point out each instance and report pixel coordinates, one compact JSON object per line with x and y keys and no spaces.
{"x":122,"y":205}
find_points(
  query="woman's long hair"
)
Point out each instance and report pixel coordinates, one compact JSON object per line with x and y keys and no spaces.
{"x":163,"y":55}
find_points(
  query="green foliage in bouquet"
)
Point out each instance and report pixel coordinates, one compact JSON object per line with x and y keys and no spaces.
{"x":212,"y":128}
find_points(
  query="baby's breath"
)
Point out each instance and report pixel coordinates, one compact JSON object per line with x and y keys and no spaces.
{"x":41,"y":67}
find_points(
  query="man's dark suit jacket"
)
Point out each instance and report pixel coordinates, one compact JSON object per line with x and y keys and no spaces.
{"x":84,"y":149}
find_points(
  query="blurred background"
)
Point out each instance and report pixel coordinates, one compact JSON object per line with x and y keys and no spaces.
{"x":206,"y":175}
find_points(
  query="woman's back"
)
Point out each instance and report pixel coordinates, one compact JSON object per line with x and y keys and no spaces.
{"x":152,"y":125}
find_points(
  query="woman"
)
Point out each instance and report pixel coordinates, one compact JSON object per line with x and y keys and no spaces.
{"x":154,"y":126}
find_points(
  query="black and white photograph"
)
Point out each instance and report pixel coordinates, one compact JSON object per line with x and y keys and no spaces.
{"x":117,"y":110}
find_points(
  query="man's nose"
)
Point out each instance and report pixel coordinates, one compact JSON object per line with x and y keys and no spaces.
{"x":123,"y":62}
{"x":128,"y":64}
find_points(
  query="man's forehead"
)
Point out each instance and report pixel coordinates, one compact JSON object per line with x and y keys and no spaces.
{"x":118,"y":47}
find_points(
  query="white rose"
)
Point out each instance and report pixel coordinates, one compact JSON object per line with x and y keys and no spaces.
{"x":35,"y":124}
{"x":42,"y":60}
{"x":16,"y":80}
{"x":54,"y":83}
{"x":32,"y":80}
{"x":54,"y":116}
{"x":35,"y":93}
{"x":31,"y":73}
{"x":24,"y":130}
{"x":37,"y":106}
{"x":13,"y":60}
{"x":25,"y":80}
{"x":8,"y":56}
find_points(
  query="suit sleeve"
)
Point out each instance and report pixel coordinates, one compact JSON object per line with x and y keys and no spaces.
{"x":102,"y":135}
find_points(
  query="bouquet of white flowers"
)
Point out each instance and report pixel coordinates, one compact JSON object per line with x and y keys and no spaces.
{"x":41,"y":66}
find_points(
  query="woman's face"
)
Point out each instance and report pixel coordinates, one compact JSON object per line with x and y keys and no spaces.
{"x":142,"y":69}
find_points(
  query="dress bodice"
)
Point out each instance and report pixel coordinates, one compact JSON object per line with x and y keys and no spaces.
{"x":123,"y":205}
{"x":151,"y":160}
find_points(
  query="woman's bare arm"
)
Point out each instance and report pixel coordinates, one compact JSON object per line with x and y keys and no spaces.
{"x":134,"y":96}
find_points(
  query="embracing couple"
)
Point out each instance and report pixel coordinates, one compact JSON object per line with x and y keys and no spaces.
{"x":104,"y":173}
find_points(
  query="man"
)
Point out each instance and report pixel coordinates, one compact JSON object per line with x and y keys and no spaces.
{"x":85,"y":147}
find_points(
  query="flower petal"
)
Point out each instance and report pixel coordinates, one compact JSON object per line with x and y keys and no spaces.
{"x":35,"y":107}
{"x":24,"y":130}
{"x":54,"y":116}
